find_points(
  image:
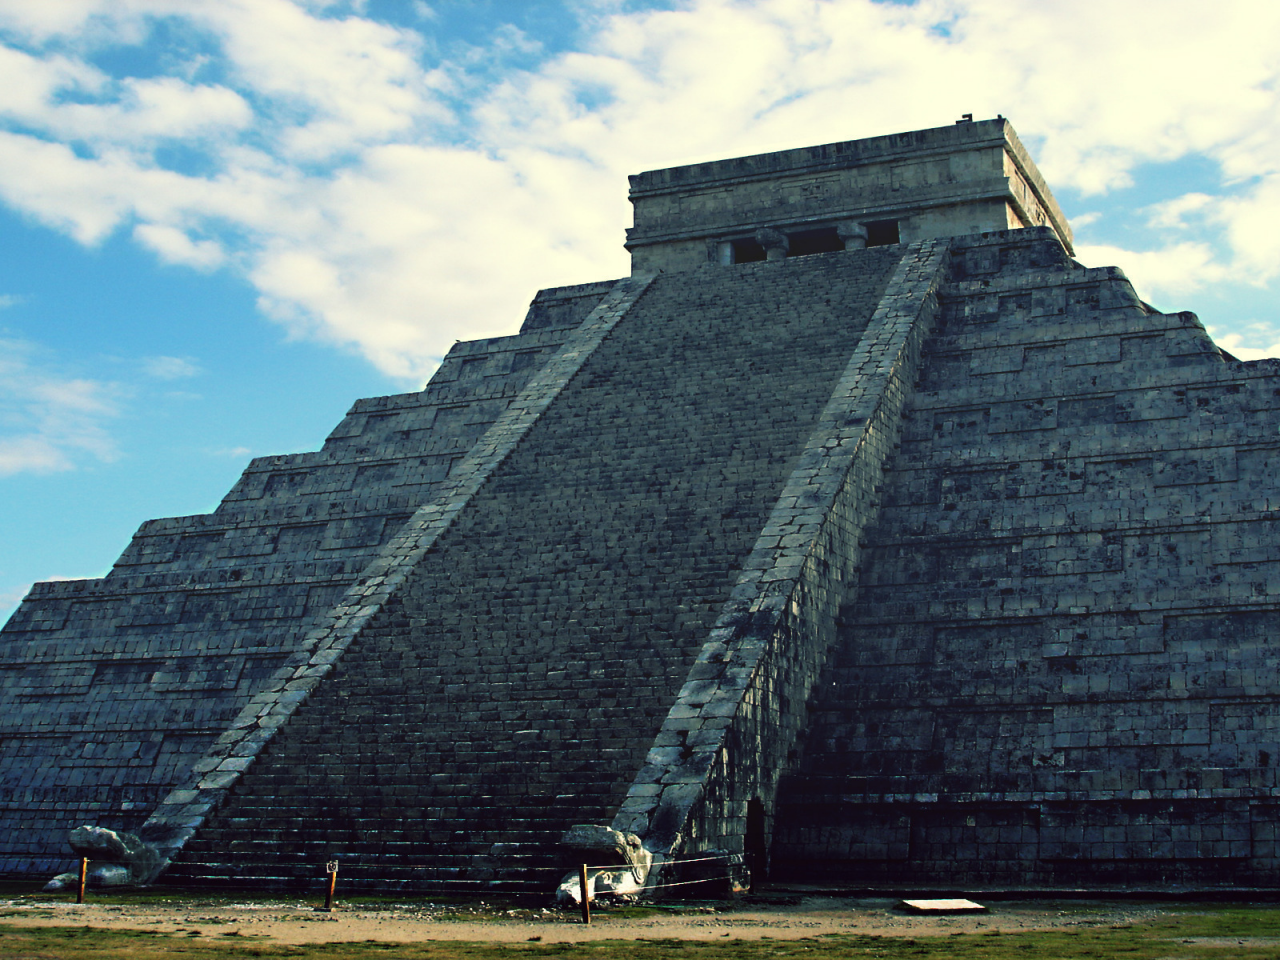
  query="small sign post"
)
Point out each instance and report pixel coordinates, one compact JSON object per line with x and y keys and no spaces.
{"x":330,"y":868}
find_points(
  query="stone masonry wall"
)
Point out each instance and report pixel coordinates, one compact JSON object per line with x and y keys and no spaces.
{"x":511,"y":684}
{"x":186,"y":808}
{"x":1059,"y":667}
{"x":947,"y":181}
{"x":113,"y":688}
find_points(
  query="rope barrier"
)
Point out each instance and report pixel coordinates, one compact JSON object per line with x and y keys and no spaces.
{"x":346,"y":864}
{"x":685,"y":883}
{"x":730,"y":857}
{"x":382,"y":865}
{"x":331,"y":869}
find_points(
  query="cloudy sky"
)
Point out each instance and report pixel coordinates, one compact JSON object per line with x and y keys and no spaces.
{"x":225,"y":220}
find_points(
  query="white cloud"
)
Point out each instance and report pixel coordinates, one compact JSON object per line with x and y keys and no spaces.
{"x":170,"y":368}
{"x":353,"y":80}
{"x":175,"y":246}
{"x":423,"y":250}
{"x":1250,"y":340}
{"x":1237,"y":345}
{"x":38,"y":22}
{"x":10,"y":596}
{"x":1247,"y":253}
{"x":31,"y":83}
{"x":393,"y":206}
{"x":50,"y":422}
{"x":1250,"y":220}
{"x":166,"y":108}
{"x":1173,"y":214}
{"x":1169,"y":271}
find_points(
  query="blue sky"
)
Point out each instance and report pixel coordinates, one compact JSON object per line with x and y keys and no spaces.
{"x":225,"y":220}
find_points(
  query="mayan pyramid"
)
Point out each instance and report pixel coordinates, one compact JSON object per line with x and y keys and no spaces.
{"x":861,"y":532}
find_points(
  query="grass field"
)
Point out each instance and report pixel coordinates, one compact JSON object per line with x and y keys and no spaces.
{"x":1190,"y":932}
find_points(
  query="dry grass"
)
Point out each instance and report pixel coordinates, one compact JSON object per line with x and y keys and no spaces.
{"x":1190,"y":932}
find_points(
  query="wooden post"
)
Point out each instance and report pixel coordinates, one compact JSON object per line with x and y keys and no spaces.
{"x":332,"y":868}
{"x":84,"y":878}
{"x":586,"y":896}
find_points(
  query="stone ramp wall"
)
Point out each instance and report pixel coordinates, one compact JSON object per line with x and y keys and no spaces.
{"x":564,"y":306}
{"x":1060,"y":668}
{"x":512,"y":684}
{"x":113,"y":688}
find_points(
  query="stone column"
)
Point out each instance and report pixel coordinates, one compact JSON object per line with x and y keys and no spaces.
{"x":775,"y":244}
{"x":853,"y":234}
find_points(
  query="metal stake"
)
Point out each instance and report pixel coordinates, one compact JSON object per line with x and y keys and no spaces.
{"x":84,"y":877}
{"x":586,"y":897}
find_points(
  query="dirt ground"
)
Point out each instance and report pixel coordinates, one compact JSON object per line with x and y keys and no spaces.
{"x":298,"y":922}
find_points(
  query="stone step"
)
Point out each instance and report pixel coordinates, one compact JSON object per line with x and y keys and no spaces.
{"x":535,"y":650}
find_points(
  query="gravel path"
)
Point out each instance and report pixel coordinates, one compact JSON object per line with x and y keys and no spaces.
{"x":299,"y":923}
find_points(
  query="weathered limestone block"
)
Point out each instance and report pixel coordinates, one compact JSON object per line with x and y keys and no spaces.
{"x":711,"y":873}
{"x":128,"y":860}
{"x":1052,"y":672}
{"x":617,"y":863}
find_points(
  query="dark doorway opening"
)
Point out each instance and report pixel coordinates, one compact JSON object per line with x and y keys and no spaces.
{"x":755,"y":846}
{"x":881,"y":233}
{"x":824,"y":240}
{"x":747,"y":251}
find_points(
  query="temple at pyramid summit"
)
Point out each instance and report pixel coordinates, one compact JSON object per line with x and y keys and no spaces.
{"x":860,"y":536}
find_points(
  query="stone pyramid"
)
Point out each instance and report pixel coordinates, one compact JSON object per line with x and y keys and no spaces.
{"x":861,"y":533}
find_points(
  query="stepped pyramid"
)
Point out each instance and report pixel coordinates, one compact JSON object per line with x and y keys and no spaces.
{"x":860,"y":531}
